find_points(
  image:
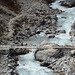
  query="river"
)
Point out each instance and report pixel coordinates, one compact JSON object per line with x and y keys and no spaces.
{"x":27,"y":63}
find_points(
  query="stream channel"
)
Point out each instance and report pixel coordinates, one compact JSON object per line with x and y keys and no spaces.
{"x":27,"y":63}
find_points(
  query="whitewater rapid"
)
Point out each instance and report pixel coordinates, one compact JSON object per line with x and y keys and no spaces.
{"x":63,"y":23}
{"x":27,"y":63}
{"x":28,"y":66}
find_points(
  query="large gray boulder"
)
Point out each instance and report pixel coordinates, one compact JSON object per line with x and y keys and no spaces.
{"x":43,"y":55}
{"x":48,"y":51}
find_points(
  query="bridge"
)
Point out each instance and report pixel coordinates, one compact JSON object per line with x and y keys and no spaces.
{"x":7,"y":47}
{"x":4,"y":49}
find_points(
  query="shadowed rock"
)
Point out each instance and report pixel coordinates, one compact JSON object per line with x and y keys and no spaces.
{"x":69,"y":3}
{"x":49,"y":1}
{"x":18,"y":51}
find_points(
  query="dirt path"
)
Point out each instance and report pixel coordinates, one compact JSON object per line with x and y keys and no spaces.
{"x":15,"y":18}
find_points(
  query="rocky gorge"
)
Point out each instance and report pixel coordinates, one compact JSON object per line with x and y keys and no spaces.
{"x":30,"y":18}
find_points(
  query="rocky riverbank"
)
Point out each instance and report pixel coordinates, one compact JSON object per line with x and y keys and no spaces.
{"x":8,"y":60}
{"x":8,"y":65}
{"x":59,"y":58}
{"x":21,"y":25}
{"x":28,"y":21}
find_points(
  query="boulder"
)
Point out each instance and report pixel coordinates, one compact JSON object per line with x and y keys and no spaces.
{"x":4,"y":52}
{"x":73,"y":26}
{"x":51,"y":36}
{"x":45,"y":63}
{"x":60,"y":31}
{"x":64,"y":17}
{"x":49,"y":1}
{"x":38,"y":31}
{"x":68,"y":3}
{"x":73,"y":53}
{"x":47,"y":32}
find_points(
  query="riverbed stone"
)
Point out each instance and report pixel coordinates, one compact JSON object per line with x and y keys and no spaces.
{"x":51,"y":36}
{"x":25,"y":26}
{"x":69,"y":3}
{"x":60,"y":31}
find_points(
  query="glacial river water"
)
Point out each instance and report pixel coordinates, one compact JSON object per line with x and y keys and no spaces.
{"x":27,"y":63}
